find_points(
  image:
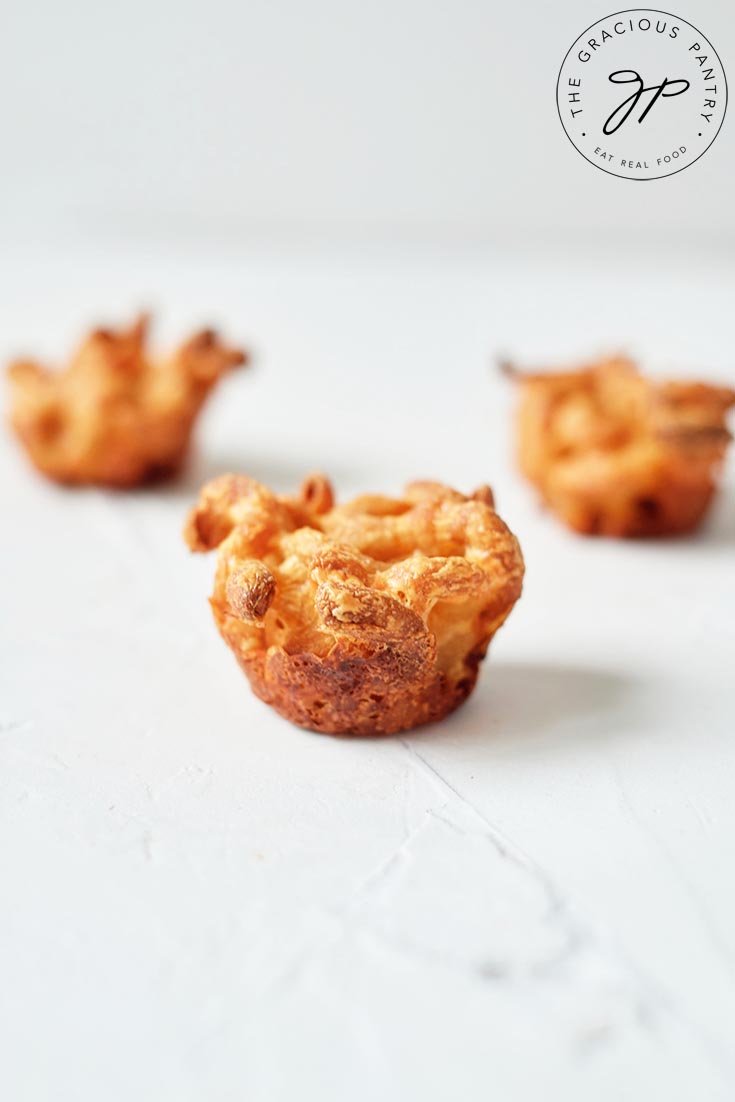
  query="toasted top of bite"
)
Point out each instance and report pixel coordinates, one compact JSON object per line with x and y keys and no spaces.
{"x":416,"y":584}
{"x":115,"y":414}
{"x":605,"y":431}
{"x":609,"y":405}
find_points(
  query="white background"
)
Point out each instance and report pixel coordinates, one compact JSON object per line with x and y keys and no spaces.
{"x":199,"y":902}
{"x":398,"y":118}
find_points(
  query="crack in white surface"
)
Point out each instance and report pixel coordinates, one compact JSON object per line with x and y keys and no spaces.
{"x":504,"y":847}
{"x":8,"y":725}
{"x":716,"y":942}
{"x":567,"y":954}
{"x":651,"y":1002}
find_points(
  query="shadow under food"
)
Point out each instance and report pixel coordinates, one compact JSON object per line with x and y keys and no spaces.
{"x":518,"y":704}
{"x":719,"y":528}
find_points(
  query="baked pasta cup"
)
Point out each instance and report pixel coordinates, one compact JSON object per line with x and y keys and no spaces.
{"x":365,"y":618}
{"x":615,"y":454}
{"x":114,"y":417}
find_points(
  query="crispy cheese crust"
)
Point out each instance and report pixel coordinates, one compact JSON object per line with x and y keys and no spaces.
{"x":365,"y":618}
{"x":114,"y":418}
{"x":615,"y":454}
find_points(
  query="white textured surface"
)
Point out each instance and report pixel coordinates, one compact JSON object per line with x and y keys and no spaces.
{"x":534,"y":899}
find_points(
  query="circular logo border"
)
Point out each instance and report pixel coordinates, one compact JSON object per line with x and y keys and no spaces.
{"x":595,"y":164}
